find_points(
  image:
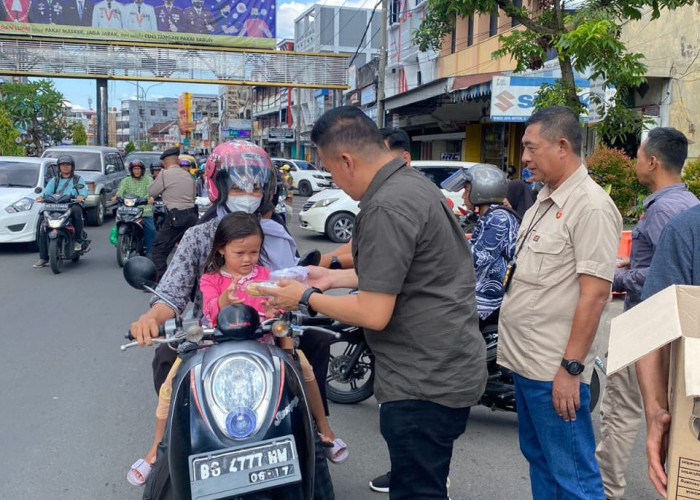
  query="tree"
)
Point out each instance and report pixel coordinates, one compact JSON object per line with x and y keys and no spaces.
{"x":130,"y":146}
{"x":10,"y":138}
{"x":78,"y":134}
{"x":37,"y":108}
{"x":585,"y":40}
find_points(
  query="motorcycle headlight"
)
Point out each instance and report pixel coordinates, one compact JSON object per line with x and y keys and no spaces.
{"x":20,"y":206}
{"x":129,"y":202}
{"x":324,"y":203}
{"x":237,"y":390}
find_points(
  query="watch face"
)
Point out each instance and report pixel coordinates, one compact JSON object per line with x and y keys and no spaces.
{"x":575,"y":367}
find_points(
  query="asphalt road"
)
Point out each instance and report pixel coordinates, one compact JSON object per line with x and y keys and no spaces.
{"x":75,"y":411}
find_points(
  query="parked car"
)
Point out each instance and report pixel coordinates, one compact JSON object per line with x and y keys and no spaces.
{"x":147,"y":157}
{"x":306,"y":178}
{"x":21,"y":180}
{"x":102,"y":168}
{"x":332,"y":212}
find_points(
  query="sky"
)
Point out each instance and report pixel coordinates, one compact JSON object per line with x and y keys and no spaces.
{"x":79,"y":91}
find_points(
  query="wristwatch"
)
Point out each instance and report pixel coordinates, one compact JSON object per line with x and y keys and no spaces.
{"x":573,"y":366}
{"x":304,"y":306}
{"x":335,"y":263}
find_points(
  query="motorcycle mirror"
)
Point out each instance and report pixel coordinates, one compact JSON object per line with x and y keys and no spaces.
{"x":311,"y":258}
{"x":139,"y":272}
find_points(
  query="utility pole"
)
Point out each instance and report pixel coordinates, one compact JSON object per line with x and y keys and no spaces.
{"x":382,"y":67}
{"x":297,"y":125}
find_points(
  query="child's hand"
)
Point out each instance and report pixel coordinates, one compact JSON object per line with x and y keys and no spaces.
{"x":270,"y":312}
{"x":231,"y":294}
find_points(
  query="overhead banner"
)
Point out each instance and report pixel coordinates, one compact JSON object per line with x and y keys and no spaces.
{"x":244,"y":24}
{"x":512,"y":96}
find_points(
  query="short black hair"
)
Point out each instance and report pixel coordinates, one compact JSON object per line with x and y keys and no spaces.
{"x":669,"y":145}
{"x":396,"y":139}
{"x":346,"y":125}
{"x":557,"y":122}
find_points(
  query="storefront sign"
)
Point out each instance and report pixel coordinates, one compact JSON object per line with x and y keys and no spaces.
{"x":451,"y":156}
{"x":368,"y":95}
{"x":281,"y":135}
{"x":512,"y":96}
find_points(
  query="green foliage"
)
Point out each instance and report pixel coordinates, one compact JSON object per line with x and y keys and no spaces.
{"x":614,"y":171}
{"x":9,"y":136}
{"x":587,"y":40}
{"x":78,"y":134}
{"x":691,"y":176}
{"x":37,"y":108}
{"x":556,"y":95}
{"x":130,"y":146}
{"x":145,"y":146}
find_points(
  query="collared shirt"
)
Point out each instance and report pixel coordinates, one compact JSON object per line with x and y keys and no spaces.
{"x":571,"y":231}
{"x":660,"y":207}
{"x":66,"y":185}
{"x":176,"y":187}
{"x":129,"y":185}
{"x":677,"y":257}
{"x":407,"y":242}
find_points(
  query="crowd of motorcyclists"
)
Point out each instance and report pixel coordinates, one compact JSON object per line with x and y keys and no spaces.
{"x":244,"y":187}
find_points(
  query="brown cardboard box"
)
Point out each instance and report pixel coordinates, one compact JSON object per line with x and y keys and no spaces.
{"x":671,"y":316}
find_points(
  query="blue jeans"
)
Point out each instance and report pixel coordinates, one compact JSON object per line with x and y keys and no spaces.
{"x":561,"y":454}
{"x":149,"y":232}
{"x":420,"y":436}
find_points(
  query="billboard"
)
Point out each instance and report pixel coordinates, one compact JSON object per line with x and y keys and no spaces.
{"x":227,"y":23}
{"x":184,"y":112}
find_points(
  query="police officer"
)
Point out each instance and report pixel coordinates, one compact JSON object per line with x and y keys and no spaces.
{"x":177,"y":188}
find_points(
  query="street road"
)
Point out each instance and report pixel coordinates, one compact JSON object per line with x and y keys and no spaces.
{"x":76,"y":412}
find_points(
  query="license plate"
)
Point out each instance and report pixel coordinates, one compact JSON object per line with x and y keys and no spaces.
{"x":53,"y":207}
{"x":240,"y":470}
{"x":128,"y":210}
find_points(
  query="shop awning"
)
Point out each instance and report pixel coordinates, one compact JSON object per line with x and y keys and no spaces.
{"x":471,"y":87}
{"x":427,"y":91}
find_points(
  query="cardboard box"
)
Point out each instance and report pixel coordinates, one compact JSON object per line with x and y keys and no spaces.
{"x":672,"y":316}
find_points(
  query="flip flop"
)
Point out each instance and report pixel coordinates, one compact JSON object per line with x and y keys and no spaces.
{"x":139,"y":468}
{"x":338,"y":452}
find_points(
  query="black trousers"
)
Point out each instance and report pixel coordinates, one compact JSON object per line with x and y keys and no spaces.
{"x":316,"y":346}
{"x":167,"y":238}
{"x":76,"y":215}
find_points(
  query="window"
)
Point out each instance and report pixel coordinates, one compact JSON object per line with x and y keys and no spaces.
{"x":153,"y":112}
{"x":517,"y":4}
{"x":394,"y":11}
{"x":165,"y":112}
{"x":493,"y":24}
{"x":453,"y":42}
{"x":470,"y":32}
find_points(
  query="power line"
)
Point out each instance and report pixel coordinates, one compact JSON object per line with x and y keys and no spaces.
{"x":369,"y":23}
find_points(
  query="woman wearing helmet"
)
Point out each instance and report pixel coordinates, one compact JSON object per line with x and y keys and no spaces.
{"x":493,"y":240}
{"x":239,"y":176}
{"x":66,"y":183}
{"x":137,"y":185}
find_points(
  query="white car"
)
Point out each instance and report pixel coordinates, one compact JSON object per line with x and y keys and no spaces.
{"x":21,"y":180}
{"x":306,"y":178}
{"x":332,"y":212}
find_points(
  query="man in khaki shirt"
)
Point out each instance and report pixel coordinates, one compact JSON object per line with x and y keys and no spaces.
{"x":565,"y":261}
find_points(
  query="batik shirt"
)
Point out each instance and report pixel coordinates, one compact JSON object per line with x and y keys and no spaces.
{"x":493,"y":246}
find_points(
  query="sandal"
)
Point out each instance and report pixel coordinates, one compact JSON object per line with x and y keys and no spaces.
{"x":337,"y":452}
{"x":138,"y":472}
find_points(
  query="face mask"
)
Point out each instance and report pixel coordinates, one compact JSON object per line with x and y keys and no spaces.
{"x":245,"y":203}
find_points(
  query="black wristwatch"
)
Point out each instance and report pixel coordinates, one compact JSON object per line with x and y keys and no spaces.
{"x":335,"y":263}
{"x":304,"y":306}
{"x":573,"y":366}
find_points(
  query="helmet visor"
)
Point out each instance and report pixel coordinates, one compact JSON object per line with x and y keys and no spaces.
{"x":248,"y":178}
{"x":456,"y":181}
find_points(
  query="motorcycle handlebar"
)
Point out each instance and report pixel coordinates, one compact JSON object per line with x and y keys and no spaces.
{"x":161,"y":333}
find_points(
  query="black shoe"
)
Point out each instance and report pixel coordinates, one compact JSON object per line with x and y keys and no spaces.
{"x":380,"y":484}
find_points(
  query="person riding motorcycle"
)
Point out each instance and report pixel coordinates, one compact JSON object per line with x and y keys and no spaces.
{"x":493,"y":239}
{"x":66,"y":183}
{"x":156,"y":169}
{"x":239,"y":177}
{"x":137,"y":184}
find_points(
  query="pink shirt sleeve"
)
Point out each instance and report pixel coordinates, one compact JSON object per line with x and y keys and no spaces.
{"x":211,"y":285}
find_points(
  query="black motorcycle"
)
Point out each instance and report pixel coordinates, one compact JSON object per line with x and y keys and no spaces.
{"x":239,"y":425}
{"x":57,"y":224}
{"x":160,"y":213}
{"x":351,"y":370}
{"x":130,"y":240}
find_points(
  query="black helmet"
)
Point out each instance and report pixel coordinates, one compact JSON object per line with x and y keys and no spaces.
{"x":157,"y":165}
{"x":66,"y":159}
{"x":238,"y":322}
{"x":137,"y":163}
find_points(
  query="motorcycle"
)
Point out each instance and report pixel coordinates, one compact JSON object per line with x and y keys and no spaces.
{"x":351,"y":370}
{"x":57,"y":223}
{"x":239,"y":425}
{"x":160,"y":213}
{"x":129,"y":227}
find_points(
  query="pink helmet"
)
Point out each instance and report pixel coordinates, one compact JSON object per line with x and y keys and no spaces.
{"x":239,"y":164}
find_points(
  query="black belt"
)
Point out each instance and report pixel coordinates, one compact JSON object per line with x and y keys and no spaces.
{"x":185,"y":210}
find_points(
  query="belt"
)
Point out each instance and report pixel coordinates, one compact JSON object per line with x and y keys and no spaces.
{"x":185,"y":210}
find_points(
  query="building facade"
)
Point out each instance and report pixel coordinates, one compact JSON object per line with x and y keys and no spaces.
{"x":138,"y":116}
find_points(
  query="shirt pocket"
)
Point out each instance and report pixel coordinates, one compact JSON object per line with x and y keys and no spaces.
{"x":545,"y":261}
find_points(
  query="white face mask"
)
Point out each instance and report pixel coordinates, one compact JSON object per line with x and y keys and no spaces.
{"x":246,"y":203}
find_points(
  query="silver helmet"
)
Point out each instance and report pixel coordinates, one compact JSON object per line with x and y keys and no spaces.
{"x":488,"y":183}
